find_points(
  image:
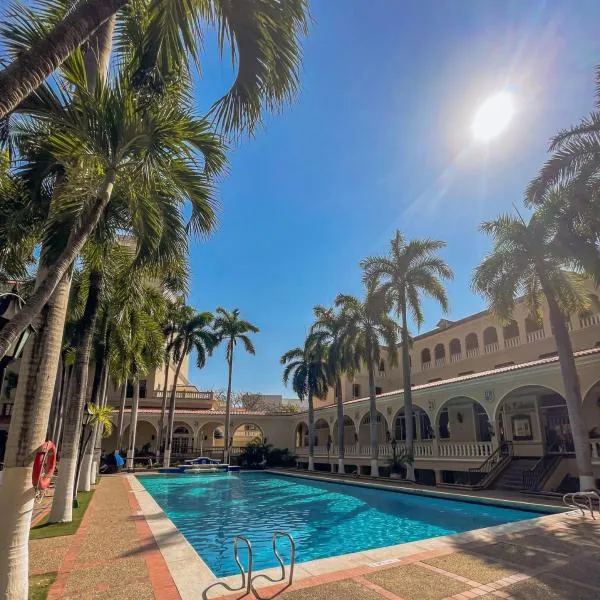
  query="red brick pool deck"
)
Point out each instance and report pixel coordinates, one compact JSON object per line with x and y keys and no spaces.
{"x":114,"y":555}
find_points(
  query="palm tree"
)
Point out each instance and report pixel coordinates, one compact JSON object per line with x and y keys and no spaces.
{"x":326,"y":330}
{"x":192,"y":332}
{"x":527,"y":260}
{"x":263,"y":34}
{"x":364,"y":326}
{"x":230,"y":329}
{"x":310,"y":375}
{"x":410,"y":271}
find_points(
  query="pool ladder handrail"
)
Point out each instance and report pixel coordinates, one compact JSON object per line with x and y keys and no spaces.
{"x":276,"y":536}
{"x":246,"y":578}
{"x":582,"y":501}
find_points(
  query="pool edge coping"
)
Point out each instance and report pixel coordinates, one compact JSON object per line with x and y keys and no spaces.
{"x":192,"y":575}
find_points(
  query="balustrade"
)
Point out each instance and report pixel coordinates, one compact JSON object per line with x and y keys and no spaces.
{"x":455,"y":357}
{"x":534,"y":336}
{"x":595,"y":448}
{"x":493,"y":347}
{"x":589,"y":320}
{"x":473,"y":352}
{"x":440,"y":362}
{"x":426,"y":365}
{"x":465,"y":449}
{"x":512,"y":342}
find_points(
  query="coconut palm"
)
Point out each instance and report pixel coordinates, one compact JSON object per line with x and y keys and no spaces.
{"x":411,"y":270}
{"x":264,"y":36}
{"x":231,"y":329}
{"x":326,"y":330}
{"x":527,"y":260}
{"x":192,"y":332}
{"x":366,"y":328}
{"x":309,"y":372}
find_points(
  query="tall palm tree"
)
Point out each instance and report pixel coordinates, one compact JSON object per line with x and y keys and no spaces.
{"x":326,"y":330}
{"x":230,"y":329}
{"x":192,"y":332}
{"x":310,"y":375}
{"x":365,"y":325}
{"x":264,"y":36}
{"x":527,"y":260}
{"x":411,"y":270}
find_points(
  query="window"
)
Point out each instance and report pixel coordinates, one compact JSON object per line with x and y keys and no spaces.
{"x":381,"y":366}
{"x":425,"y":355}
{"x":129,"y":390}
{"x":378,"y":390}
{"x":142,"y":388}
{"x":490,"y":336}
{"x":356,"y":390}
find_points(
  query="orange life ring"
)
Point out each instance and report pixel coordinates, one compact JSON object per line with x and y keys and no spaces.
{"x":44,"y":465}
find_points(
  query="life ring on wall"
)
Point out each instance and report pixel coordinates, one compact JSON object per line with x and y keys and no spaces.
{"x":43,"y":466}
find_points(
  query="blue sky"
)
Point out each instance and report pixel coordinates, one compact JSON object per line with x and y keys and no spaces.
{"x":380,"y":139}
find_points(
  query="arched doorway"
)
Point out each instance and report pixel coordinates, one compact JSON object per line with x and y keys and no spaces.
{"x":535,"y":419}
{"x":145,"y":438}
{"x":244,"y":433}
{"x":210,"y":435}
{"x":322,"y":433}
{"x":349,"y":432}
{"x":364,"y":432}
{"x":422,"y":429}
{"x":463,"y":419}
{"x":183,"y":439}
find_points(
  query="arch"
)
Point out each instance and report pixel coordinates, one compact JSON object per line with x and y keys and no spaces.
{"x":490,"y":336}
{"x":536,"y":417}
{"x":211,"y":434}
{"x":322,"y":432}
{"x":422,"y":429}
{"x":244,"y":433}
{"x":463,"y":419}
{"x":439,"y":351}
{"x":471,"y":342}
{"x":454,"y":347}
{"x":183,"y":438}
{"x":364,"y":430}
{"x":350,"y":433}
{"x":301,"y":435}
{"x":532,"y":324}
{"x":510,"y":330}
{"x":425,"y":356}
{"x":382,"y":367}
{"x":145,"y":437}
{"x":591,"y":411}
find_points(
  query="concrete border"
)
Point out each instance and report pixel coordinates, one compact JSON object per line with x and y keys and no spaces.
{"x":192,"y":575}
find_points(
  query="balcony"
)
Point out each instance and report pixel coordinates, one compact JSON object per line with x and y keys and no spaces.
{"x":589,"y":320}
{"x":455,"y":357}
{"x":440,"y":362}
{"x":426,"y":365}
{"x":473,"y":352}
{"x":424,"y":449}
{"x":493,"y":347}
{"x":512,"y":342}
{"x":535,"y":336}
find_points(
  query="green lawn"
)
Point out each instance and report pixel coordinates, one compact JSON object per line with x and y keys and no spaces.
{"x":46,"y":530}
{"x":39,"y":586}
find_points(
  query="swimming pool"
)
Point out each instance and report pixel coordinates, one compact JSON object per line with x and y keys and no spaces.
{"x":325,"y":519}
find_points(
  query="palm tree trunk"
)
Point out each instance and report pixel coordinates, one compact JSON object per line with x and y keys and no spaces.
{"x":29,"y":422}
{"x":97,"y":448}
{"x":572,"y":395}
{"x":133,"y":424}
{"x":63,"y":408}
{"x":121,"y":417}
{"x":408,"y":406}
{"x":373,"y":426}
{"x":57,"y":270}
{"x":340,"y":420}
{"x":31,"y":68}
{"x":163,"y":408}
{"x":62,"y":507}
{"x":311,"y":432}
{"x":228,"y":404}
{"x":169,"y":440}
{"x":58,"y":392}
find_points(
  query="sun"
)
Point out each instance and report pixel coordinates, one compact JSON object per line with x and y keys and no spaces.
{"x":493,"y":116}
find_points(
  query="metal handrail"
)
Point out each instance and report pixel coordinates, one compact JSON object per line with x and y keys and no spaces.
{"x":276,"y":535}
{"x":534,"y":478}
{"x":505,"y":449}
{"x":571,"y":500}
{"x":246,"y":580}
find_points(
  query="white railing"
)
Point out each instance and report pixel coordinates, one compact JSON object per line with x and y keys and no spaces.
{"x":512,"y":342}
{"x":455,"y":357}
{"x":589,"y":320}
{"x":595,"y":448}
{"x":465,"y":449}
{"x":473,"y":352}
{"x":493,"y":347}
{"x":440,"y":362}
{"x":425,"y":365}
{"x":534,"y":336}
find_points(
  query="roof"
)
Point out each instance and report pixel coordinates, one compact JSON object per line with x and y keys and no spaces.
{"x":210,"y":412}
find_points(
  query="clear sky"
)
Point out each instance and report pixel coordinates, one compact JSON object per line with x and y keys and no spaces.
{"x":380,"y":139}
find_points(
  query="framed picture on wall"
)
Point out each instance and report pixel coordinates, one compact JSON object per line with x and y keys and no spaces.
{"x":521,"y":426}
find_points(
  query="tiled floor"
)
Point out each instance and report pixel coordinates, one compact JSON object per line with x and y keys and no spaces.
{"x":114,"y":555}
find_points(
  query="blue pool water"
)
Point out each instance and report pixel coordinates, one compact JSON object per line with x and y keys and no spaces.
{"x":325,"y":519}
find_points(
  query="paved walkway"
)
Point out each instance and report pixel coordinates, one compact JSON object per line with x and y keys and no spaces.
{"x":112,"y":555}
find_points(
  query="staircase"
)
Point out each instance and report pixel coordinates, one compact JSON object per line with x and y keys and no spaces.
{"x":512,"y":476}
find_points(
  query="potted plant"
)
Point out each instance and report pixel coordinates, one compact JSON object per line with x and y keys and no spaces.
{"x":398,"y":463}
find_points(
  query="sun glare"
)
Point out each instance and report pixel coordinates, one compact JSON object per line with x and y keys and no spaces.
{"x":493,"y":116}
